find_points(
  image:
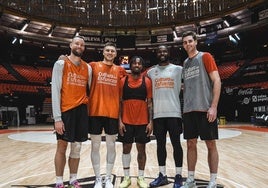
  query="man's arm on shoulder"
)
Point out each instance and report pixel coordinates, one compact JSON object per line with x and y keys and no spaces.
{"x":63,"y":57}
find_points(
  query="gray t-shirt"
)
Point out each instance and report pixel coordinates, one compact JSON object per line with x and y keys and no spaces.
{"x":166,"y":84}
{"x":197,"y":92}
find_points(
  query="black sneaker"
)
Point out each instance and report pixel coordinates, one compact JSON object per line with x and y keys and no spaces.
{"x":159,"y":181}
{"x":178,"y":181}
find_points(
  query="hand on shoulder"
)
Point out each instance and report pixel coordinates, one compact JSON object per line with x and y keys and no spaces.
{"x":62,"y":57}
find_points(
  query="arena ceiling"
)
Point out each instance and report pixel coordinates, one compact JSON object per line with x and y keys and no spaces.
{"x":135,"y":24}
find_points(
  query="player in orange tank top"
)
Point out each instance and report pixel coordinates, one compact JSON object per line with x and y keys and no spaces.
{"x":104,"y":111}
{"x":70,"y":78}
{"x":136,"y":119}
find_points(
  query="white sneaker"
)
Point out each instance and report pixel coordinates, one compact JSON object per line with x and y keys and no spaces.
{"x":212,"y":184}
{"x":108,"y":182}
{"x":98,"y":183}
{"x":189,"y":184}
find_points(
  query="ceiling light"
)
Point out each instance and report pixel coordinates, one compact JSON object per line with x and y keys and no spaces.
{"x":14,"y":40}
{"x":232,"y":39}
{"x":226,"y":23}
{"x":24,"y":27}
{"x":237,"y":36}
{"x":51,"y":30}
{"x":175,"y":34}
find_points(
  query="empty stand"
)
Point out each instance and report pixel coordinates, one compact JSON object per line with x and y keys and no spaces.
{"x":7,"y":88}
{"x":228,"y":69}
{"x":32,"y":74}
{"x":260,"y":60}
{"x":5,"y":75}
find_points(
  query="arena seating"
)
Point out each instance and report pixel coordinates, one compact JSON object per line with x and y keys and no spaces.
{"x":228,"y":69}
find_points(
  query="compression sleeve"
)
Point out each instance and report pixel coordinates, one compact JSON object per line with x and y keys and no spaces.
{"x":89,"y":75}
{"x":56,"y":86}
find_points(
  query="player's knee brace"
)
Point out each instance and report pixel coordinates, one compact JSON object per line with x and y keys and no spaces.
{"x":75,"y":150}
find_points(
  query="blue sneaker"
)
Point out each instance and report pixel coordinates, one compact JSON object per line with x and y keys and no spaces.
{"x":178,"y":181}
{"x":159,"y":181}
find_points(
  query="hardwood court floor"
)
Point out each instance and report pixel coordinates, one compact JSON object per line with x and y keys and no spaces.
{"x":27,"y":155}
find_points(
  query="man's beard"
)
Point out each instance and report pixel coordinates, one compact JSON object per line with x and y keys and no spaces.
{"x":77,"y":53}
{"x":136,"y":72}
{"x":162,"y":59}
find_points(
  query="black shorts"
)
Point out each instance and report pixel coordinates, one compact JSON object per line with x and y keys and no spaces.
{"x":196,"y":124}
{"x":75,"y":124}
{"x":172,"y":125}
{"x":134,"y":133}
{"x":96,"y":124}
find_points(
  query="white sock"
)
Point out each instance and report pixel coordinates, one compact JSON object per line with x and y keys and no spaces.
{"x":162,"y":169}
{"x":59,"y":179}
{"x":72,"y":177}
{"x":126,"y":158}
{"x":191,"y":175}
{"x":141,"y":173}
{"x":178,"y":170}
{"x":213,"y":177}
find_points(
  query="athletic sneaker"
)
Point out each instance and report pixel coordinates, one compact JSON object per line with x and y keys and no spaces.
{"x":74,"y":184}
{"x":159,"y":181}
{"x":212,"y":184}
{"x":141,"y":182}
{"x":125,"y":183}
{"x":98,"y":183}
{"x":189,"y":184}
{"x":60,"y":185}
{"x":108,"y":182}
{"x":178,"y":181}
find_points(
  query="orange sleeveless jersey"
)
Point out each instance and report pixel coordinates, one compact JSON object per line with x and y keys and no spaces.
{"x":74,"y":84}
{"x":105,"y":90}
{"x":135,"y":111}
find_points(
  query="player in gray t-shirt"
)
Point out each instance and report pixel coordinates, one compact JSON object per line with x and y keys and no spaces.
{"x":166,"y":82}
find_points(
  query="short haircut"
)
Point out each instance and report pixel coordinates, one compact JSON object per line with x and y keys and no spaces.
{"x":79,"y":36}
{"x":160,"y":46}
{"x":189,"y":33}
{"x":133,"y":59}
{"x":109,"y":44}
